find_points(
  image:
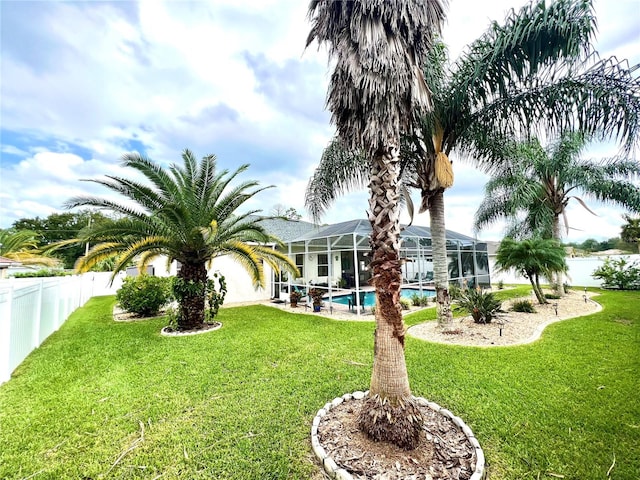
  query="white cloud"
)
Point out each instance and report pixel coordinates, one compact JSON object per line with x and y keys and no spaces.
{"x":12,"y":150}
{"x":82,"y":80}
{"x":39,"y":185}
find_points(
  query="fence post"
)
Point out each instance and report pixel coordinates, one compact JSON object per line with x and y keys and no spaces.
{"x":6,"y":301}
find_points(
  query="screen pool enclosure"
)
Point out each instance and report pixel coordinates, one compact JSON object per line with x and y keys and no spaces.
{"x":368,"y":297}
{"x":336,"y":258}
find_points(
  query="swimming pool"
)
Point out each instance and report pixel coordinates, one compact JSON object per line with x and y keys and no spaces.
{"x":370,"y":296}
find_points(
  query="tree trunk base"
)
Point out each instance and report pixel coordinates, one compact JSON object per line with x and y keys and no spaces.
{"x":399,"y":424}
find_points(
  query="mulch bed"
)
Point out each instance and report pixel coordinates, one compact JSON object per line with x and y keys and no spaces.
{"x":444,"y":451}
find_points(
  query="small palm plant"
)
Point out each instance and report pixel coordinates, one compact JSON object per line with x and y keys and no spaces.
{"x":523,"y":306}
{"x":483,"y":306}
{"x":532,"y":258}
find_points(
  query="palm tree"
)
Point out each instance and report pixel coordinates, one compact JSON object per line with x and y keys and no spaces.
{"x":22,"y":246}
{"x":535,"y":70}
{"x":539,"y":184}
{"x":376,"y":89}
{"x":631,"y":230}
{"x":533,"y":258}
{"x":186,"y":213}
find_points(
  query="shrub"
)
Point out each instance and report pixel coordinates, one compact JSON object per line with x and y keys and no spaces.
{"x":215,"y":297}
{"x":524,"y":306}
{"x":500,"y":285}
{"x":455,"y":291}
{"x":405,"y":303}
{"x":172,"y":315}
{"x":619,"y":273}
{"x":482,"y":306}
{"x":44,"y":272}
{"x":551,"y":296}
{"x":144,"y":295}
{"x":415,"y":298}
{"x":566,"y":287}
{"x":419,"y":300}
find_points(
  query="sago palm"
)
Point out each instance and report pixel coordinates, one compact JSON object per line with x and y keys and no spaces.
{"x":536,"y":70}
{"x":186,"y":213}
{"x":376,"y":90}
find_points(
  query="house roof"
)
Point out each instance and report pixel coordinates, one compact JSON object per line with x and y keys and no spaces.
{"x":286,"y":230}
{"x":7,"y":262}
{"x":363,"y":228}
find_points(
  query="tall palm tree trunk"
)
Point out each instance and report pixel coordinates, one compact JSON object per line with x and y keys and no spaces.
{"x":557,"y":279}
{"x":439,"y":252}
{"x":390,"y":412}
{"x":535,"y":284}
{"x":191,"y":295}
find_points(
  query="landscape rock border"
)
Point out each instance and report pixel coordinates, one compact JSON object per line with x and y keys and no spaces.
{"x":520,"y":328}
{"x":330,"y":466}
{"x":169,"y":332}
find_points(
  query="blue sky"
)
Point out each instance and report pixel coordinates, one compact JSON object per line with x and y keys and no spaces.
{"x":84,"y":82}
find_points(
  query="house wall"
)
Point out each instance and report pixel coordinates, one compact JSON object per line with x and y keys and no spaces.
{"x":239,"y":285}
{"x":310,"y":273}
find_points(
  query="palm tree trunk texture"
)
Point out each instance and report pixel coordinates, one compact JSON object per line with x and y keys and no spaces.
{"x":557,"y":279}
{"x":390,"y":412}
{"x":535,"y":283}
{"x":439,"y":253}
{"x":193,"y":299}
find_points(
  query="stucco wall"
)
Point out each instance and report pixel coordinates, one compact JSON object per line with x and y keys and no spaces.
{"x":239,"y":285}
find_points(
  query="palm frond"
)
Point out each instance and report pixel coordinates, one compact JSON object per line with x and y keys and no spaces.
{"x":377,"y":85}
{"x":602,"y":101}
{"x":247,"y":256}
{"x":536,"y":36}
{"x":17,"y":240}
{"x":532,"y":189}
{"x":340,"y":170}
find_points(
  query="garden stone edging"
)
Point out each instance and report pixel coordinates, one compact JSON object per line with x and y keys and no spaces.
{"x":337,"y":473}
{"x":166,"y":333}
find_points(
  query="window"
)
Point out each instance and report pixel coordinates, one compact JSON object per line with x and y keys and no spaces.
{"x":323,"y":265}
{"x":300,"y":263}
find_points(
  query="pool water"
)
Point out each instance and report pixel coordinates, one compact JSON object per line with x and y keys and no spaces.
{"x":370,"y":297}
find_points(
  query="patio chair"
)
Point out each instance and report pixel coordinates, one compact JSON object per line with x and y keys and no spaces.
{"x":352,"y":301}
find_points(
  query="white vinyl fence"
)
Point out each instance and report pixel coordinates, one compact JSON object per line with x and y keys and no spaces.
{"x":31,"y":309}
{"x":579,"y":275}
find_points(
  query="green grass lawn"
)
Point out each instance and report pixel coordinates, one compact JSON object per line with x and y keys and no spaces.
{"x":101,"y":399}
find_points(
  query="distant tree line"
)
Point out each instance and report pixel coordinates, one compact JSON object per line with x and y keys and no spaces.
{"x":592,"y":245}
{"x":65,"y":226}
{"x":61,"y":226}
